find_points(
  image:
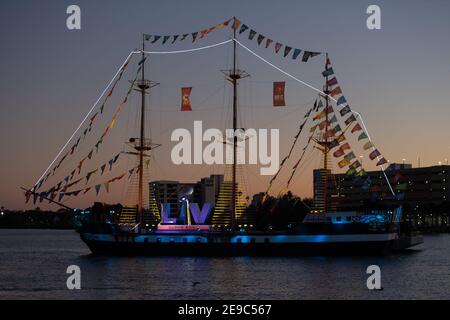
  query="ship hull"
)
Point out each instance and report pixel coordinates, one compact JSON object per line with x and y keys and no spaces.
{"x":136,"y":245}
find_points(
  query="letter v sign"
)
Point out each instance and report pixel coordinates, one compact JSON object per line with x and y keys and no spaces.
{"x":200,"y":217}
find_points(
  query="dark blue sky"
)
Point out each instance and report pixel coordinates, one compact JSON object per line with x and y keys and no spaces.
{"x":397,"y":77}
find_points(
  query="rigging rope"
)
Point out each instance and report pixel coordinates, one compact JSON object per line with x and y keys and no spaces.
{"x":187,"y":50}
{"x":84,"y":120}
{"x":319,"y":91}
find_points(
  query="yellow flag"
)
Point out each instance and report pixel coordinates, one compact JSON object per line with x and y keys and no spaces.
{"x":368,"y":145}
{"x":320,"y":115}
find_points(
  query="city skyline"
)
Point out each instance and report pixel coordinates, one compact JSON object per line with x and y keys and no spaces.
{"x":57,"y":74}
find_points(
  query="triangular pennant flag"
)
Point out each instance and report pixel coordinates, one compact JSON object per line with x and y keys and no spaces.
{"x":75,"y":193}
{"x":287,"y":50}
{"x":243,"y":28}
{"x":155,"y":38}
{"x":268,"y":42}
{"x":319,"y":105}
{"x":337,"y":129}
{"x":165,"y":39}
{"x":106,"y":184}
{"x":362,"y":136}
{"x":355,"y":164}
{"x":90,"y":154}
{"x":350,"y":156}
{"x":236,"y":24}
{"x":309,"y":54}
{"x":147,"y":37}
{"x":88,"y":176}
{"x":116,"y":157}
{"x":350,"y":119}
{"x":251,"y":35}
{"x":341,"y":101}
{"x":374,"y":154}
{"x":80,"y":165}
{"x":278,"y":47}
{"x":260,"y":39}
{"x":345,"y":110}
{"x":356,"y":128}
{"x":61,"y":196}
{"x":97,"y":145}
{"x":296,"y":53}
{"x":367,"y":145}
{"x":97,"y":188}
{"x":333,"y":119}
{"x":343,"y":163}
{"x":194,"y":36}
{"x":338,"y":153}
{"x":184,"y":36}
{"x":175,"y":39}
{"x":381,"y":162}
{"x":103,"y":168}
{"x":332,"y":82}
{"x":345,"y":146}
{"x":320,"y":115}
{"x":335,"y":91}
{"x":203,"y":33}
{"x":328,"y":72}
{"x":110,"y":164}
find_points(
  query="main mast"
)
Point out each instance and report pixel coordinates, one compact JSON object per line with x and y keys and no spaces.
{"x":325,"y":144}
{"x":233,"y":76}
{"x":143,"y":85}
{"x":143,"y":144}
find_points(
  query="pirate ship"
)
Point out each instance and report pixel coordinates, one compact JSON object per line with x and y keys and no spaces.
{"x":147,"y":228}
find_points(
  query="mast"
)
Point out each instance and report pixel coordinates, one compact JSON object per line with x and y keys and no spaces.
{"x":234,"y":75}
{"x":234,"y":78}
{"x":143,"y":86}
{"x":325,"y":149}
{"x":142,"y":144}
{"x":326,"y":144}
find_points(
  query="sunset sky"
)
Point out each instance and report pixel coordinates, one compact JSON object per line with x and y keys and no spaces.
{"x":398,"y":78}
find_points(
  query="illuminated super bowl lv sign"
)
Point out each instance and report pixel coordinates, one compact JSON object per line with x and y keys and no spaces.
{"x":199,"y":217}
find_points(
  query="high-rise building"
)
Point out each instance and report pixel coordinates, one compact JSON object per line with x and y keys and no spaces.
{"x":411,"y":186}
{"x":204,"y":191}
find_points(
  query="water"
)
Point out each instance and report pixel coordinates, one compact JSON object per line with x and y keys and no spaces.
{"x":33,"y":265}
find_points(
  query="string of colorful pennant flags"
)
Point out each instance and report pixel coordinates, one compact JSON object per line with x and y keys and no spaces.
{"x":241,"y":29}
{"x":96,"y":147}
{"x":88,"y":128}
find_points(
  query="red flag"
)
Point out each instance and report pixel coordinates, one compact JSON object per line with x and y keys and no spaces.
{"x":278,"y":94}
{"x":335,"y":91}
{"x":278,"y":47}
{"x":357,"y":127}
{"x":185,"y":99}
{"x":236,"y":24}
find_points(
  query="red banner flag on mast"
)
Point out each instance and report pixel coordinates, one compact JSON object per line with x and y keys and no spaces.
{"x":185,"y":99}
{"x":278,"y":94}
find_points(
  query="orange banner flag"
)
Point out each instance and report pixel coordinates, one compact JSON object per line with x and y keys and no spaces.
{"x":185,"y":99}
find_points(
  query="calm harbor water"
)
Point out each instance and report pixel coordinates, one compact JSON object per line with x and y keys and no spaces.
{"x":33,"y":265}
